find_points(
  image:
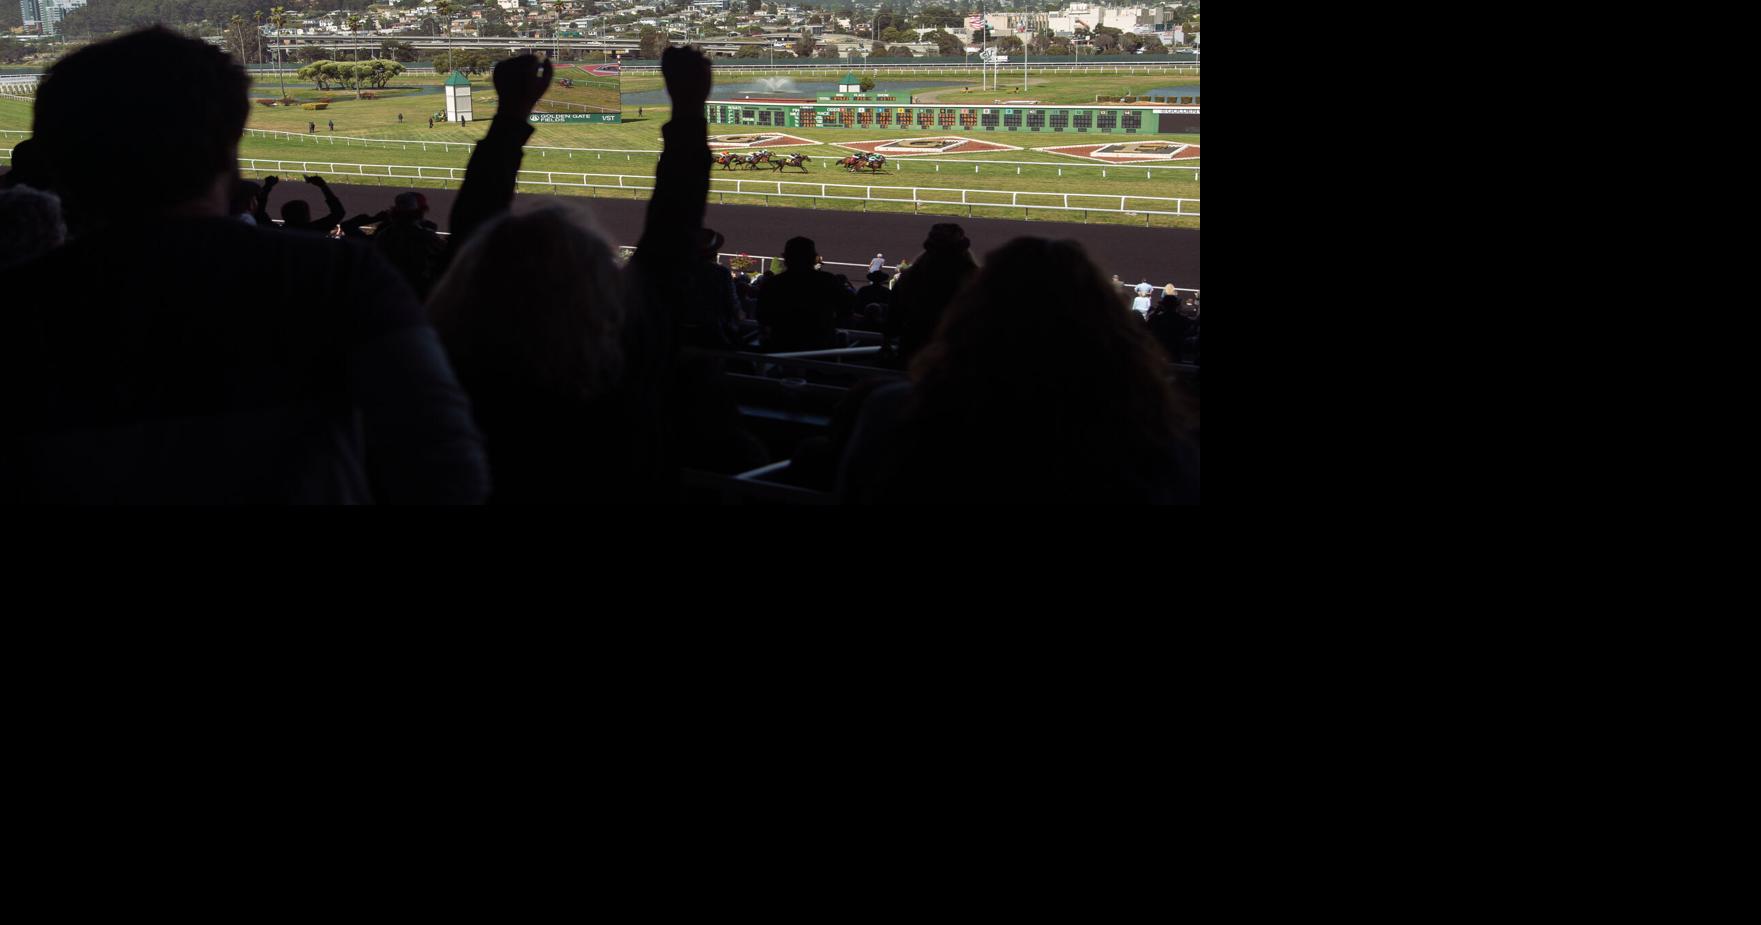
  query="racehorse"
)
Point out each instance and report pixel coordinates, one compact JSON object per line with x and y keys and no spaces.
{"x":855,"y":162}
{"x":727,"y":159}
{"x":793,"y":160}
{"x":761,"y":156}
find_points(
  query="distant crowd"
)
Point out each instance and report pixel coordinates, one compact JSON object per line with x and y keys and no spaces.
{"x":171,"y":342}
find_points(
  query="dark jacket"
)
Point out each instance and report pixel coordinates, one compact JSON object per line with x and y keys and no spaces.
{"x":1170,"y":327}
{"x":922,"y":294}
{"x":414,"y":248}
{"x":801,"y":308}
{"x":287,"y":369}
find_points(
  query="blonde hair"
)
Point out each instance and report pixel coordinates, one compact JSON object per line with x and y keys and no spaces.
{"x":537,"y":298}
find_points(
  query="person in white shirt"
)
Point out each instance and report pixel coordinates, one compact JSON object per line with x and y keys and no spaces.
{"x":1141,"y":304}
{"x":874,"y":266}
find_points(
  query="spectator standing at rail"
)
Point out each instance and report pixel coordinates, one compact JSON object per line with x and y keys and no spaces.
{"x":871,"y":303}
{"x":1169,"y":325}
{"x":874,"y":266}
{"x":176,"y":355}
{"x":410,"y":242}
{"x":296,"y":215}
{"x":800,"y":307}
{"x":244,"y":201}
{"x":1141,"y":304}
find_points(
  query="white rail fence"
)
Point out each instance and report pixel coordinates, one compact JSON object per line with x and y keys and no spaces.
{"x":599,"y":153}
{"x":905,"y":69}
{"x":915,"y":196}
{"x":727,"y":256}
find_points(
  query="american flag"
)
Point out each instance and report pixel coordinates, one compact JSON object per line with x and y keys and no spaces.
{"x":975,"y":21}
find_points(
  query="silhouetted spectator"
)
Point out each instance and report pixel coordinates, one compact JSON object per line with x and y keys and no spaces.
{"x":296,"y":215}
{"x":1189,"y":349}
{"x":532,"y":314}
{"x":710,"y":316}
{"x":30,"y":224}
{"x":1039,"y":386}
{"x":801,"y":306}
{"x":260,"y":203}
{"x":29,"y":167}
{"x":1169,"y":326}
{"x":411,"y":242}
{"x":871,"y":303}
{"x":176,"y":355}
{"x":573,"y":365}
{"x":244,"y":201}
{"x":924,"y":290}
{"x":815,"y":462}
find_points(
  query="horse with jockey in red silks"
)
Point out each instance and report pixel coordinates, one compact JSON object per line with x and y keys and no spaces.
{"x":855,"y":162}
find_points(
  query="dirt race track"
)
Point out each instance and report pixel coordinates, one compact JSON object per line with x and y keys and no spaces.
{"x":1159,"y":255}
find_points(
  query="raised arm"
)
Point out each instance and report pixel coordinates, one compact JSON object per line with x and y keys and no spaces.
{"x":333,"y":217}
{"x":488,"y":189}
{"x":681,"y":184}
{"x":260,"y":208}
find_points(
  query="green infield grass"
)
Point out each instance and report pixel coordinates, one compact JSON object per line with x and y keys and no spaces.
{"x":368,"y":133}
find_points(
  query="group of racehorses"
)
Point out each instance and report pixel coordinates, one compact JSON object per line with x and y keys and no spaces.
{"x":765,"y":158}
{"x":761,"y":158}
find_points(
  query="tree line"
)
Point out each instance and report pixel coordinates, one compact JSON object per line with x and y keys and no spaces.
{"x":351,"y":75}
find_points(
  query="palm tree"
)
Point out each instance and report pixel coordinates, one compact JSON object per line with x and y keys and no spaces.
{"x":278,"y":18}
{"x":354,"y":24}
{"x":556,"y":30}
{"x":444,"y":10}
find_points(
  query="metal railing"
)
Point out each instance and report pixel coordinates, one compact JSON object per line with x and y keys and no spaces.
{"x":406,"y":144}
{"x":915,"y":196}
{"x":845,"y":65}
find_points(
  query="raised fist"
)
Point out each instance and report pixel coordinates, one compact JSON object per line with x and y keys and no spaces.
{"x":519,"y":83}
{"x":687,"y":76}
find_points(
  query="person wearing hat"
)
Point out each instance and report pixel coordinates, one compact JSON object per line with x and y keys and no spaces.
{"x":410,"y":242}
{"x":1170,"y":325}
{"x":872,"y":301}
{"x":710,"y":316}
{"x":874,"y":266}
{"x":924,"y":291}
{"x":801,"y":307}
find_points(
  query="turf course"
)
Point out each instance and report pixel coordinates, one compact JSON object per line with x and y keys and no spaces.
{"x":368,"y":132}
